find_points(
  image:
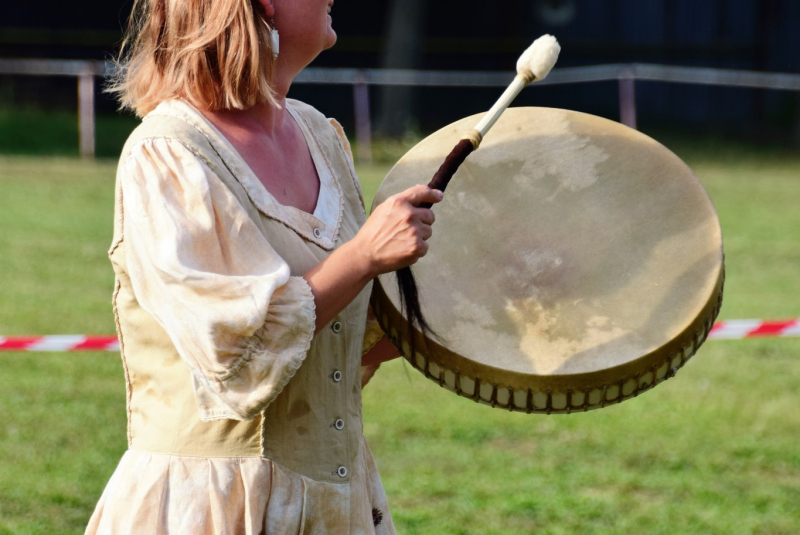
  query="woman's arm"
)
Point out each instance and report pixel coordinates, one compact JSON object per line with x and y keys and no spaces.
{"x":381,"y":352}
{"x":394,"y":236}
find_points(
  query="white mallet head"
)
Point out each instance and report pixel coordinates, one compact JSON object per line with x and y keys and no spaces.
{"x":533,"y":65}
{"x":540,"y":57}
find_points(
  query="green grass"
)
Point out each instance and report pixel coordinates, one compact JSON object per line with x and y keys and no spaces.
{"x":714,"y":451}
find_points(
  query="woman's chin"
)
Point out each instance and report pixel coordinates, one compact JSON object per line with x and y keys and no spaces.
{"x":331,"y":38}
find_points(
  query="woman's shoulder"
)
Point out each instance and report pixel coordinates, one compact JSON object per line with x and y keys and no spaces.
{"x":314,"y":118}
{"x":324,"y":128}
{"x":306,"y":110}
{"x":173,"y":121}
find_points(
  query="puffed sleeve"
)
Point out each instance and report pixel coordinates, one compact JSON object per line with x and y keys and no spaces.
{"x":202,"y":268}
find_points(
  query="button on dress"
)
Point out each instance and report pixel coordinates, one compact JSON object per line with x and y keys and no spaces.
{"x":240,"y":420}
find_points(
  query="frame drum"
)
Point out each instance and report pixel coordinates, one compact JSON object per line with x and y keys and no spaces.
{"x":575,"y":263}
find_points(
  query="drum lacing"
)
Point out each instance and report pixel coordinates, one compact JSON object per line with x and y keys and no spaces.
{"x":603,"y":397}
{"x":511,"y":403}
{"x":585,"y":405}
{"x":493,"y":398}
{"x":476,"y":394}
{"x":621,"y":395}
{"x":426,"y":371}
{"x":638,"y":385}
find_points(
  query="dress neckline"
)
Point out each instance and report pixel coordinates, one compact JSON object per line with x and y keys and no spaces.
{"x":320,"y":227}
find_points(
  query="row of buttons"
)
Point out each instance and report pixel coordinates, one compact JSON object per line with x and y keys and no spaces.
{"x":336,"y":327}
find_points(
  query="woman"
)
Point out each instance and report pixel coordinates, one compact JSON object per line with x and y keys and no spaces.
{"x":243,"y":264}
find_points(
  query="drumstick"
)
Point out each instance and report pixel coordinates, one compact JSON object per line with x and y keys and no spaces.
{"x":532,"y":66}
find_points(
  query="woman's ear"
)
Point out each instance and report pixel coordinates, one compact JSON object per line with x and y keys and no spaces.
{"x":268,"y":6}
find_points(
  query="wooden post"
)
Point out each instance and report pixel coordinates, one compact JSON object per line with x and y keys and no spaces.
{"x":86,"y":134}
{"x":363,"y":120}
{"x":627,"y":99}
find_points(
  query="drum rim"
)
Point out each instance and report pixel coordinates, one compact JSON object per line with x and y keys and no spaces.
{"x":607,"y":386}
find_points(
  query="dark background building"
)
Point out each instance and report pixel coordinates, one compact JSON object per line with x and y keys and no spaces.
{"x":473,"y":35}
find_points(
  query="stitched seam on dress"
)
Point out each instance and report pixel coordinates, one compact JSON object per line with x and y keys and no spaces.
{"x":120,"y":216}
{"x":271,"y":483}
{"x":198,"y":456}
{"x":253,"y":346}
{"x":128,"y":388}
{"x":261,"y":431}
{"x":191,"y":149}
{"x":302,"y":528}
{"x":352,"y":169}
{"x":114,"y":247}
{"x":212,"y":415}
{"x":241,"y":458}
{"x":259,"y":207}
{"x":117,"y":326}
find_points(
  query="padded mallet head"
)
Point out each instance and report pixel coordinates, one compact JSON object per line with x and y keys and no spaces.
{"x":539,"y":58}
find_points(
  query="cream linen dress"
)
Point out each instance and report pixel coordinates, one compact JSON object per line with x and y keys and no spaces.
{"x":240,"y":420}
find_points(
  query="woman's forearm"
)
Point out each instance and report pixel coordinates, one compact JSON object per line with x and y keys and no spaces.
{"x":337,"y":280}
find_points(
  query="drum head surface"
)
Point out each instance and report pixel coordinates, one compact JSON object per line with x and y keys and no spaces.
{"x":570,"y":252}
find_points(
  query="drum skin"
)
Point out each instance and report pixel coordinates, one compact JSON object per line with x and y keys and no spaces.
{"x":575,"y":263}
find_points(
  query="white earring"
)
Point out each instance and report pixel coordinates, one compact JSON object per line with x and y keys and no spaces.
{"x":274,"y":39}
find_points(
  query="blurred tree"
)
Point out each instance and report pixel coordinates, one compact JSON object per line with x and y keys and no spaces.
{"x":405,"y":22}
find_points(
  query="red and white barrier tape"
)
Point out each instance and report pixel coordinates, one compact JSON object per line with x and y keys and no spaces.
{"x":722,"y":330}
{"x":68,"y":342}
{"x":738,"y":329}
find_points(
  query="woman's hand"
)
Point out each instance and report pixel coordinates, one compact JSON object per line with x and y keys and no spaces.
{"x":393,"y":237}
{"x":395,"y":234}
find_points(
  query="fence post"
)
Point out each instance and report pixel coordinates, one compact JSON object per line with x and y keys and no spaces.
{"x":627,"y":98}
{"x":86,"y":134}
{"x":363,"y":120}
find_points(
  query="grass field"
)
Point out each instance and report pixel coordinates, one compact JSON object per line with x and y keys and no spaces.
{"x":714,"y":451}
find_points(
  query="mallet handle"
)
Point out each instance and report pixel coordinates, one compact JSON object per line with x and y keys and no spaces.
{"x":449,"y":167}
{"x":502,"y":103}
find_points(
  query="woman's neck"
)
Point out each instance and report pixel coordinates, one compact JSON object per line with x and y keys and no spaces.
{"x":262,"y":120}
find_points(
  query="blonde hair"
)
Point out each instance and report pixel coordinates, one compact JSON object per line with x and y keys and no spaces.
{"x":214,"y":53}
